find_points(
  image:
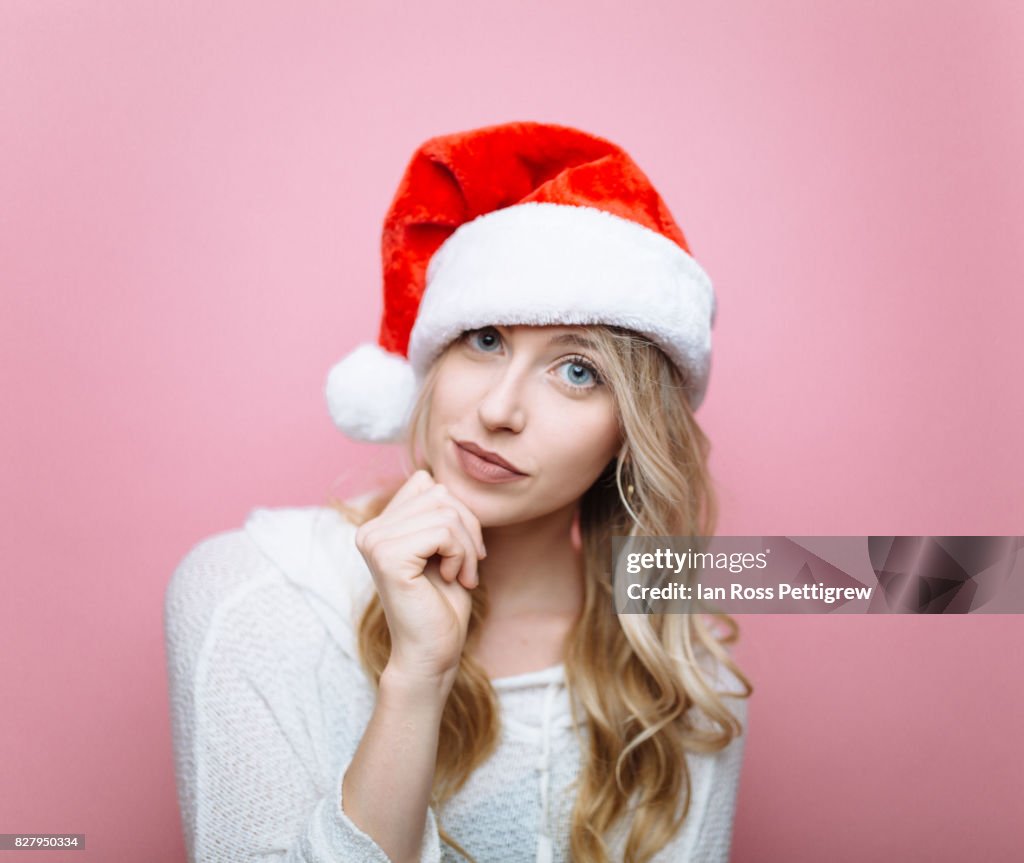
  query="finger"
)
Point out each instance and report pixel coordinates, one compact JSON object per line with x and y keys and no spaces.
{"x":440,"y":531}
{"x":467,"y":515}
{"x":458,"y":560}
{"x":422,"y":515}
{"x":455,"y":593}
{"x":419,"y":482}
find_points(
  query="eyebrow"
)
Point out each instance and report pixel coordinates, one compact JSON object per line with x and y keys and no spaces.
{"x":573,"y":339}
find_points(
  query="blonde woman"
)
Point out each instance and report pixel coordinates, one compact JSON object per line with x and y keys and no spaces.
{"x":435,"y":670}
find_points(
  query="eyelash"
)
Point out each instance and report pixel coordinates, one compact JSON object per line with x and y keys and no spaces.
{"x":575,"y":359}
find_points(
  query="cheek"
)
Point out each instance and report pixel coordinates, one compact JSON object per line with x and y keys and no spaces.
{"x":581,"y":444}
{"x":454,"y":391}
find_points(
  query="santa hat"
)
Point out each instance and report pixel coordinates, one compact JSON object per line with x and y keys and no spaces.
{"x":520,"y":223}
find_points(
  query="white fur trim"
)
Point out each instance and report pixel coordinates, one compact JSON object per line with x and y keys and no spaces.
{"x":370,"y":393}
{"x":541,"y":263}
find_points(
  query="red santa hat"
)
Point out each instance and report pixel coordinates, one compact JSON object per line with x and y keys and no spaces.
{"x":520,"y":223}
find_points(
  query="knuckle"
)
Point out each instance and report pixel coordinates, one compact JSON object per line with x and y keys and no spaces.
{"x":364,"y":536}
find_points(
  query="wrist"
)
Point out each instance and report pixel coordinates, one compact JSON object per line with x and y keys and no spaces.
{"x":421,"y":688}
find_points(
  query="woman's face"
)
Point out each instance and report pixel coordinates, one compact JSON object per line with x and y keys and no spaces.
{"x":535,"y":399}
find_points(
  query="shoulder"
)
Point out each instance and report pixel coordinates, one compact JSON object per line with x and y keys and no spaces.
{"x":217,"y":569}
{"x":724,"y":679}
{"x":726,"y":684}
{"x":286,"y":573}
{"x":313,"y":548}
{"x":216,"y":596}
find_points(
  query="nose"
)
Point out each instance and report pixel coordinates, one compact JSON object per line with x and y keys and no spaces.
{"x":501,"y":406}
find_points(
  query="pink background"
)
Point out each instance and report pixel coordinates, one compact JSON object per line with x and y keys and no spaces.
{"x":192,"y":197}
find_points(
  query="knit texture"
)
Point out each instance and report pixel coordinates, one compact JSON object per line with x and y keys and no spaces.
{"x":269,"y":703}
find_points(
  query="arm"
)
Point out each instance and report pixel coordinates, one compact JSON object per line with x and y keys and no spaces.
{"x":257,"y":777}
{"x":387,"y":786}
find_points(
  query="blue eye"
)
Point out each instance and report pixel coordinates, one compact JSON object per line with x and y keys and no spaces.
{"x":579,"y":366}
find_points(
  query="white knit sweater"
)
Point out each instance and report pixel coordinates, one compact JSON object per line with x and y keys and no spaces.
{"x":269,"y":703}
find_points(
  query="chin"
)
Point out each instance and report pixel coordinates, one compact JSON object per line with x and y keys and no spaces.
{"x":488,"y":503}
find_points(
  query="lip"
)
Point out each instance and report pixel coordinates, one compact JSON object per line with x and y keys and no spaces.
{"x":487,"y":455}
{"x":483,"y":470}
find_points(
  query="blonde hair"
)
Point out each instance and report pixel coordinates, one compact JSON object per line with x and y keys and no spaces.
{"x":636,"y":676}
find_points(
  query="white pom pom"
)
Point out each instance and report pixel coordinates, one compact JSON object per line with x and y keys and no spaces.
{"x":370,"y":393}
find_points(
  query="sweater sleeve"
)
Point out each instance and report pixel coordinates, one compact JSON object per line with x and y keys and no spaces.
{"x":256,"y":780}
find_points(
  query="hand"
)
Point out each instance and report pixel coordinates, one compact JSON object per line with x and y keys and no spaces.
{"x":423,"y":551}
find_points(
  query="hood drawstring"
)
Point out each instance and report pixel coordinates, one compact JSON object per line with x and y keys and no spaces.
{"x":545,"y":852}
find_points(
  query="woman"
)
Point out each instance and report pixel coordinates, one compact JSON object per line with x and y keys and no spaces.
{"x":436,"y":671}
